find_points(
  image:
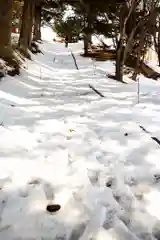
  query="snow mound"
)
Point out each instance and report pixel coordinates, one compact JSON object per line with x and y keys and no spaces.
{"x":99,"y":39}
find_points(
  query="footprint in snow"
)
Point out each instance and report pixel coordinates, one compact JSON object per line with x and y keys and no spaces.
{"x":3,"y":203}
{"x":93,"y":176}
{"x":109,"y":219}
{"x":23,"y":192}
{"x":48,"y":190}
{"x":2,"y":124}
{"x":157,"y":177}
{"x":156,"y":230}
{"x":131,"y":181}
{"x":49,"y":193}
{"x":110,"y":182}
{"x":77,"y":231}
{"x":4,"y":228}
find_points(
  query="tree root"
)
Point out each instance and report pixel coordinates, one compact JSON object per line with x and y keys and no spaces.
{"x":25,"y":52}
{"x":13,"y":67}
{"x":12,"y":63}
{"x":13,"y":59}
{"x":35,"y":48}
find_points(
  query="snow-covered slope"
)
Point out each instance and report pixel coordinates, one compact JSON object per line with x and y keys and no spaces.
{"x":63,"y":143}
{"x":47,"y":33}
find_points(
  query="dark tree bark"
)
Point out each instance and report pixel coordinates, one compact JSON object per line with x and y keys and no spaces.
{"x":27,"y":27}
{"x":156,"y":39}
{"x":5,"y":27}
{"x":158,"y":45}
{"x":31,"y":23}
{"x":6,"y":51}
{"x":158,"y":58}
{"x":37,"y":24}
{"x":86,"y":44}
{"x":122,"y":53}
{"x":119,"y":61}
{"x":87,"y":33}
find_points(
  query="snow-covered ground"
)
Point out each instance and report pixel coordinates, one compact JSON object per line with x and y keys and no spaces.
{"x":62,"y":143}
{"x":99,"y":39}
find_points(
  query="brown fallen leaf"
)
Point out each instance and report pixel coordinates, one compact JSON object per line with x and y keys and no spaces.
{"x":53,"y":208}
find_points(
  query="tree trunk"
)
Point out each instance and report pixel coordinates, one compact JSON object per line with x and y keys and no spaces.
{"x":135,"y":73}
{"x":158,"y":54}
{"x":26,"y":26}
{"x":31,"y":23}
{"x":158,"y":44}
{"x":85,"y":40}
{"x":37,"y":24}
{"x":119,"y":61}
{"x":86,"y":44}
{"x":119,"y":68}
{"x":87,"y":34}
{"x":5,"y":27}
{"x":121,"y":54}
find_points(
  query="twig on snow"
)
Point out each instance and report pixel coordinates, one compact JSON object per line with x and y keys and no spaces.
{"x":75,"y":62}
{"x":153,"y":138}
{"x":96,"y":91}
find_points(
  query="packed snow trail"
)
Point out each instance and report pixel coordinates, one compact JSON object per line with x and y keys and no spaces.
{"x":62,"y":143}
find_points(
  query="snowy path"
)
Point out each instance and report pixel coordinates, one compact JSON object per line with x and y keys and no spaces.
{"x":61,"y":142}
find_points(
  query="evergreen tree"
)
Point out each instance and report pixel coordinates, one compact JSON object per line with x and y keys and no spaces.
{"x":70,"y":27}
